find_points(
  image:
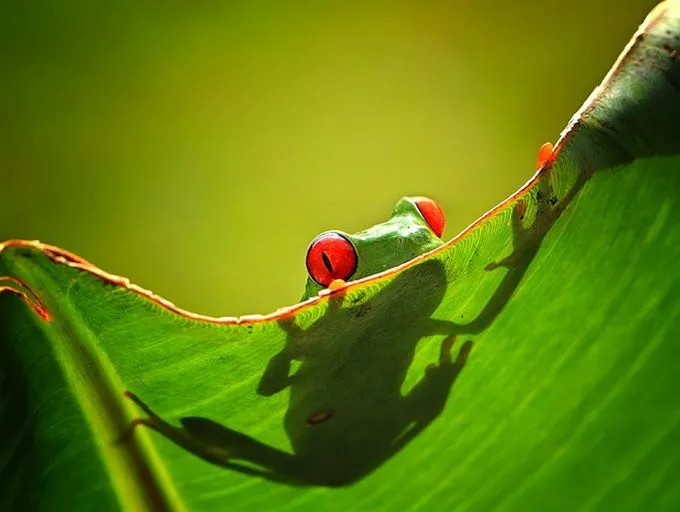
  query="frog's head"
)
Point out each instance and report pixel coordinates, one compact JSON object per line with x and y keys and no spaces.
{"x":415,"y":227}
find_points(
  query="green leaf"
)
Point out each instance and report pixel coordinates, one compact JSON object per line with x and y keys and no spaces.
{"x":529,"y":364}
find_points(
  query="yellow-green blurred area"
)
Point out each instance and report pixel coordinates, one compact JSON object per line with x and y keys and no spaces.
{"x":197,"y":147}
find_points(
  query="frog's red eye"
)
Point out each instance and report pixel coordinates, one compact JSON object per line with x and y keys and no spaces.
{"x":331,"y":256}
{"x":432,"y":213}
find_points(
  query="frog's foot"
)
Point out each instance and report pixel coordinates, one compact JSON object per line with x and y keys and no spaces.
{"x":152,"y":420}
{"x":546,"y":155}
{"x":334,"y":285}
{"x":138,"y":402}
{"x":129,"y":432}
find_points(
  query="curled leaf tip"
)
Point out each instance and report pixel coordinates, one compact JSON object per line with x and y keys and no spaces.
{"x":20,"y":289}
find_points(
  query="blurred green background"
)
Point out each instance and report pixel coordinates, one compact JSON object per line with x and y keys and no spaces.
{"x":197,"y":147}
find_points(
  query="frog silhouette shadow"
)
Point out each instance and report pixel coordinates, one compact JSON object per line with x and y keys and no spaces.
{"x":347,"y":414}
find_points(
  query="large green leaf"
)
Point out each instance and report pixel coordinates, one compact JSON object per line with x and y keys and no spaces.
{"x":561,"y":308}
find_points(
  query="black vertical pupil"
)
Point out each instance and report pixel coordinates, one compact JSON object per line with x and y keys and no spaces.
{"x":327,"y":262}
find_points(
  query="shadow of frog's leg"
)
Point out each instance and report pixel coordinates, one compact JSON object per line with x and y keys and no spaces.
{"x":267,"y":475}
{"x":221,"y":446}
{"x":177,"y":435}
{"x":277,"y":465}
{"x":276,"y":376}
{"x":428,"y":398}
{"x":520,"y":236}
{"x":525,"y":247}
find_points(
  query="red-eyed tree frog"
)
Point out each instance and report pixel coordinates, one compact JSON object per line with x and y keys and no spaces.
{"x":415,"y":227}
{"x":349,"y":410}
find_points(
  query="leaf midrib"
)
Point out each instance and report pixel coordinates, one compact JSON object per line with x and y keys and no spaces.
{"x":137,"y":475}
